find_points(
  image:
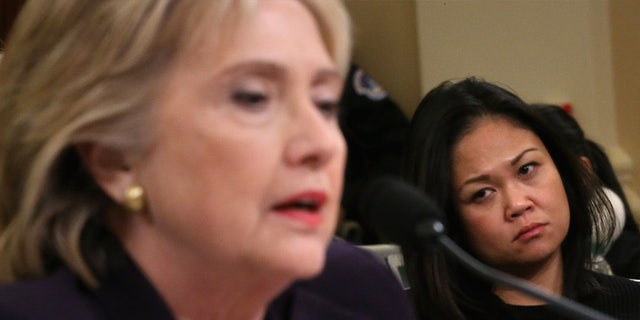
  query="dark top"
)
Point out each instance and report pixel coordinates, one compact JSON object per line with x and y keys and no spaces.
{"x":618,"y":298}
{"x":624,"y":254}
{"x":353,"y":285}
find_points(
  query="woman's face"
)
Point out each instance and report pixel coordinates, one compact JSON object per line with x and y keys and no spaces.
{"x":510,"y":196}
{"x":246,"y":169}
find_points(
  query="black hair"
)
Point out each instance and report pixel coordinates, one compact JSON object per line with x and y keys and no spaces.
{"x":566,"y":125}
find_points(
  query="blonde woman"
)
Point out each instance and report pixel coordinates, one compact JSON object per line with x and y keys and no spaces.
{"x":176,"y":159}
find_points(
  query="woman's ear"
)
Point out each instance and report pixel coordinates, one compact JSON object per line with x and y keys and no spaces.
{"x":108,"y":167}
{"x":587,"y":162}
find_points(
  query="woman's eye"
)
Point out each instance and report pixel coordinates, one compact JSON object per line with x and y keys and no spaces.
{"x":526,"y":169}
{"x":480,"y":195}
{"x":249,"y":99}
{"x":329,"y":108}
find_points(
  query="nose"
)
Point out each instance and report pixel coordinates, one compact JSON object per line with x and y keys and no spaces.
{"x":516,"y":201}
{"x":315,"y":137}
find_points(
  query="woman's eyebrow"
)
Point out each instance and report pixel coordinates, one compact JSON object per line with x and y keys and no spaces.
{"x":519,"y":156}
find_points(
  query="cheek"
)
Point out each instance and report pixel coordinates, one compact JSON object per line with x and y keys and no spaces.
{"x":339,"y":160}
{"x":563,"y":217}
{"x":335,"y":170}
{"x":560,"y":210}
{"x":195,"y":169}
{"x":484,"y":230}
{"x":476,"y":227}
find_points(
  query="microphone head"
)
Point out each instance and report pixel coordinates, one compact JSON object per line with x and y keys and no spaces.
{"x":401,"y":213}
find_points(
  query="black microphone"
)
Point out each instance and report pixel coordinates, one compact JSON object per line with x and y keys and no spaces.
{"x":400,"y":213}
{"x":403,"y":214}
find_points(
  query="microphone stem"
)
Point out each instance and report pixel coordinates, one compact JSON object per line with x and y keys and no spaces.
{"x":563,"y":305}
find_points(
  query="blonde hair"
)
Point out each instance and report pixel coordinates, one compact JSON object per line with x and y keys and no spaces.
{"x":78,"y":71}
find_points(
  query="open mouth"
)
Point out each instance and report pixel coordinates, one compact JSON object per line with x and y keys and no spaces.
{"x":303,"y":208}
{"x":301,"y":204}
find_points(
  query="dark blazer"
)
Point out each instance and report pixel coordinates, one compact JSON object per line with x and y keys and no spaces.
{"x":353,"y":285}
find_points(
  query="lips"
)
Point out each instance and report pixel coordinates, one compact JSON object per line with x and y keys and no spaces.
{"x":303,"y":208}
{"x":529,"y":231}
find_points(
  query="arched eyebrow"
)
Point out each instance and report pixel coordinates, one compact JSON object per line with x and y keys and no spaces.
{"x":519,"y":156}
{"x":269,"y":69}
{"x":265,"y":69}
{"x":328,"y":74}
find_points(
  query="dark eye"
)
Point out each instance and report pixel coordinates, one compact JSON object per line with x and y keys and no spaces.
{"x":480,"y":195}
{"x":249,"y":99}
{"x":329,"y":108}
{"x":526,"y":169}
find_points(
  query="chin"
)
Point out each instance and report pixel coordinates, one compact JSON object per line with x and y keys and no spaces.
{"x":304,"y":260}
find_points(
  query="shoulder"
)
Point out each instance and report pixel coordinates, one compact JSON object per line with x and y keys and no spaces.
{"x":356,"y":281}
{"x":617,"y":297}
{"x":346,"y":262}
{"x":58,"y":296}
{"x":342,"y":254}
{"x":614,"y":285}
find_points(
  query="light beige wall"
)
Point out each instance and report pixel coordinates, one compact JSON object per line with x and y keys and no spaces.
{"x":386,"y":47}
{"x":625,"y":35}
{"x":547,"y":51}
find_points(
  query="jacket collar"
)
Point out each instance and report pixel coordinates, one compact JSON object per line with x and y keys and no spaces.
{"x":127,"y":294}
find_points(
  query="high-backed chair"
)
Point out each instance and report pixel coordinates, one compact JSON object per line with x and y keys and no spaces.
{"x":391,"y":256}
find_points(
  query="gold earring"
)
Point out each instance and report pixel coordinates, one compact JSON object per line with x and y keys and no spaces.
{"x":133,"y":198}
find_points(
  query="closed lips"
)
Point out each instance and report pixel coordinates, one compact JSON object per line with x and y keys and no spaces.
{"x":529,"y":230}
